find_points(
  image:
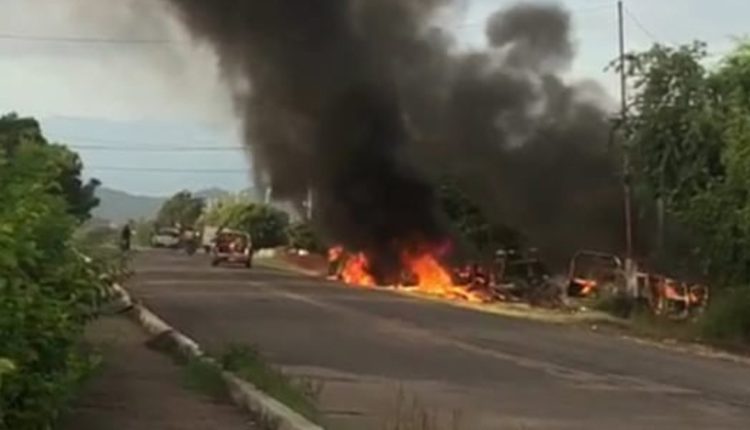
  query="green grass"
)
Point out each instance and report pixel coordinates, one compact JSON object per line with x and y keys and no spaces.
{"x":724,"y":324}
{"x":617,"y":305}
{"x":727,"y":319}
{"x":301,"y":395}
{"x":205,"y":377}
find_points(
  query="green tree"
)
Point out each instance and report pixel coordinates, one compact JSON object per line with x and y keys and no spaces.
{"x":18,"y":134}
{"x":181,"y":209}
{"x":471,"y":224}
{"x":267,"y":225}
{"x":224,"y":212}
{"x":689,"y":136}
{"x":47,"y":291}
{"x":673,"y":132}
{"x":302,"y":236}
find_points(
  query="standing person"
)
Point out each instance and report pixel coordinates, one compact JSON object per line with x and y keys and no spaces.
{"x":335,"y":261}
{"x":125,"y":236}
{"x":189,"y":241}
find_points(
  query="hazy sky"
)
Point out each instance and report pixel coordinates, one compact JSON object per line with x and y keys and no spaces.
{"x":101,"y":96}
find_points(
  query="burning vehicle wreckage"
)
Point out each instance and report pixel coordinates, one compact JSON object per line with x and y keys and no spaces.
{"x":594,"y":274}
{"x":509,"y":276}
{"x":513,"y":276}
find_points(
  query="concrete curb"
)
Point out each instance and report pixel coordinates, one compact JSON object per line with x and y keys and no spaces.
{"x":244,"y":394}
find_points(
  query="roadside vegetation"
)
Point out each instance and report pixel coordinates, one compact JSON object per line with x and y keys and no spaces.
{"x":49,"y":288}
{"x":205,"y":377}
{"x":267,"y":225}
{"x":299,"y":394}
{"x":688,"y":133}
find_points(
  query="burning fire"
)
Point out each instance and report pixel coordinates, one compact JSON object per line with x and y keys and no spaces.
{"x":430,"y":276}
{"x":356,"y":271}
{"x":588,"y":286}
{"x":434,"y":280}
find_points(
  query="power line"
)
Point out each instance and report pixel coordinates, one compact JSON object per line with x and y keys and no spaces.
{"x":164,"y":170}
{"x":152,"y":143}
{"x":155,"y":148}
{"x":87,"y":40}
{"x":101,"y":144}
{"x":656,"y":39}
{"x":642,"y":27}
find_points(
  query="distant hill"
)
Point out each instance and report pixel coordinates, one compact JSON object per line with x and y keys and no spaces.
{"x":212,"y":194}
{"x":119,"y":206}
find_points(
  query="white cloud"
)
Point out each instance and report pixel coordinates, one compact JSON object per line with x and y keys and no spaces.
{"x":177,"y":81}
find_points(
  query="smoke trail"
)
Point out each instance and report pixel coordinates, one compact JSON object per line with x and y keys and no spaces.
{"x":367,"y":102}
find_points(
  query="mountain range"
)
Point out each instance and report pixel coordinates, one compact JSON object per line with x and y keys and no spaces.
{"x":119,"y":207}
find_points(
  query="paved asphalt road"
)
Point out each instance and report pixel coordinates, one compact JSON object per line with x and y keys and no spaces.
{"x":379,"y":353}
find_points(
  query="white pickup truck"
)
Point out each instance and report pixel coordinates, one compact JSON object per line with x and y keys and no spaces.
{"x":166,"y":238}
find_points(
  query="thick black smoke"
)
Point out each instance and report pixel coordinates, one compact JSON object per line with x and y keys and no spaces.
{"x":367,"y":102}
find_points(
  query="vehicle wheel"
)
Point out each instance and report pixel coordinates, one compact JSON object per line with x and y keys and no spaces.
{"x":249,"y":263}
{"x":214,"y":262}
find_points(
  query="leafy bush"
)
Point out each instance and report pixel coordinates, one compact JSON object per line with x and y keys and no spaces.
{"x":48,"y":291}
{"x":727,"y":319}
{"x":267,"y":225}
{"x":182,"y":209}
{"x":302,"y":236}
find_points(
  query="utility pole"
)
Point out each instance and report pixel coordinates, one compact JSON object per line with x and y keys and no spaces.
{"x":309,"y":204}
{"x":627,"y":195}
{"x":269,"y":194}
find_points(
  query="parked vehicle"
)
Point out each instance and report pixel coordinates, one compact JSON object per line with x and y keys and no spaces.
{"x":166,"y":238}
{"x":232,"y":247}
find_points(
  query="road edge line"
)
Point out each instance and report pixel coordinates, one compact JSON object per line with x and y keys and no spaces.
{"x":243,"y":393}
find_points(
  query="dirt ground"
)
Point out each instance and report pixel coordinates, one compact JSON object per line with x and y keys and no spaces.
{"x":139,"y":389}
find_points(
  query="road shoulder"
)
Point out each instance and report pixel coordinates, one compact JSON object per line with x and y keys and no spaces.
{"x":138,"y":388}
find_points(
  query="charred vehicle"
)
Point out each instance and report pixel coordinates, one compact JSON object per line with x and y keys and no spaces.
{"x":519,"y":276}
{"x":672,"y":298}
{"x":590,"y":272}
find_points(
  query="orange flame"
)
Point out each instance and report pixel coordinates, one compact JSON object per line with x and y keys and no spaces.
{"x":356,"y":271}
{"x":588,"y":286}
{"x":435,"y":280}
{"x":430,"y":276}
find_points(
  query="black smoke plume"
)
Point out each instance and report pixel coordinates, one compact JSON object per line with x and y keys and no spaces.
{"x":368,"y":102}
